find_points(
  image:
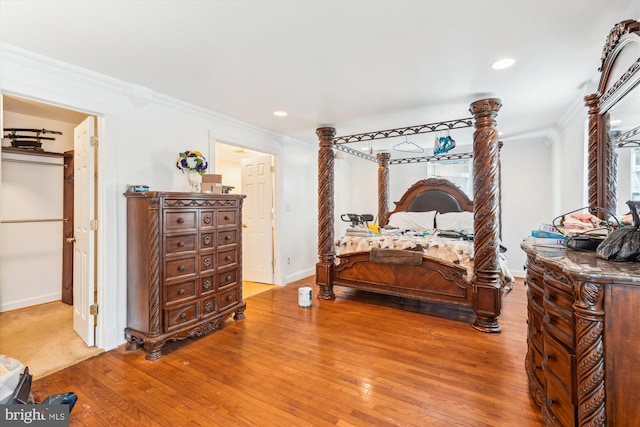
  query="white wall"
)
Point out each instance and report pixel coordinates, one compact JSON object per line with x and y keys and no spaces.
{"x":573,"y":153}
{"x":527,"y":193}
{"x":297,"y":167}
{"x":141,"y":134}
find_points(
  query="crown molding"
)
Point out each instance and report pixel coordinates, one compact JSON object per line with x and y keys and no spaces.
{"x":140,"y":96}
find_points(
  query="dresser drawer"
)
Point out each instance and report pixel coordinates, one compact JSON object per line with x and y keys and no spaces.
{"x":207,"y":285}
{"x":558,"y":404}
{"x":228,"y":298}
{"x":227,"y":257}
{"x":179,"y":244}
{"x":536,"y":368}
{"x":179,"y":292}
{"x":207,"y":241}
{"x":559,"y":297}
{"x":535,"y":293}
{"x":534,"y":320}
{"x":559,"y":322}
{"x":209,"y":306}
{"x":227,"y":218}
{"x":180,"y":220}
{"x":207,"y":218}
{"x":176,"y":317}
{"x":228,"y":237}
{"x":557,"y":362}
{"x":228,"y":278}
{"x":179,"y":268}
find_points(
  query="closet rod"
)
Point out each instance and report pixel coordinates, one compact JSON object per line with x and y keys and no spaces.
{"x":35,"y":162}
{"x":15,"y":221}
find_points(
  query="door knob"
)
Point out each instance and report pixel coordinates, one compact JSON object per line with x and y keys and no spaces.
{"x":244,"y":225}
{"x":71,"y":239}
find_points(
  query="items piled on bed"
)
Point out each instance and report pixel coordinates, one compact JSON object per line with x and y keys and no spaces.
{"x":447,"y":236}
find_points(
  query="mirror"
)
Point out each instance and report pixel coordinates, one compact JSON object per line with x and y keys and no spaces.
{"x":614,"y":122}
{"x":624,"y":133}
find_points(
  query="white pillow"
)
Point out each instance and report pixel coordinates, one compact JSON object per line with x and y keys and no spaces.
{"x":417,"y":221}
{"x":456,"y":221}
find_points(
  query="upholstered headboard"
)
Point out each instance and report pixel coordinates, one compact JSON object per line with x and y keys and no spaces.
{"x":434,"y":194}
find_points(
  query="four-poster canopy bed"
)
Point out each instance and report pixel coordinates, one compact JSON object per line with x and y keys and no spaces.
{"x":428,"y":278}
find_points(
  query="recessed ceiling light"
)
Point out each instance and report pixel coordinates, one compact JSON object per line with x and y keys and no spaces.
{"x":503,"y":63}
{"x":280,"y":113}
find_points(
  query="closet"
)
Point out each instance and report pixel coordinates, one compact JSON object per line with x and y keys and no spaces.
{"x":36,"y":206}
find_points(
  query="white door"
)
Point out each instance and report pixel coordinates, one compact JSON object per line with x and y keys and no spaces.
{"x":83,"y":214}
{"x":257,"y":223}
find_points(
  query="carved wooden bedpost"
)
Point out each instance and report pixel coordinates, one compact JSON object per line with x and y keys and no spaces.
{"x":383,"y":188}
{"x":326,"y":250}
{"x":486,"y":283}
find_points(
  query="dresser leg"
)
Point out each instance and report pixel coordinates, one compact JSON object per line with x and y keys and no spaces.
{"x":153,"y":351}
{"x":239,"y":315}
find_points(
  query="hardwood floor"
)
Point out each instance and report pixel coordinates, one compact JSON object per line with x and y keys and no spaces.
{"x":357,"y":361}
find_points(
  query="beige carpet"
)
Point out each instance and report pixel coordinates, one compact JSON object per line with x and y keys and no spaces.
{"x":42,"y":338}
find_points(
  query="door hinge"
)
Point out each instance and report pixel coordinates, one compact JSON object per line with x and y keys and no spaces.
{"x":273,"y":169}
{"x":93,"y":309}
{"x":94,"y":141}
{"x":273,"y":263}
{"x":93,"y":224}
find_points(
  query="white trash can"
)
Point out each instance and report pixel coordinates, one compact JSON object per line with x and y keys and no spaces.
{"x":10,"y":370}
{"x":304,"y":296}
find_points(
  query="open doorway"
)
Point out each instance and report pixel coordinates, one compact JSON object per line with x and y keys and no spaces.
{"x":38,"y":307}
{"x":251,"y":173}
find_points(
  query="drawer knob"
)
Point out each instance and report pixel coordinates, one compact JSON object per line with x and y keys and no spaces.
{"x":182,"y":268}
{"x":183,"y":315}
{"x":181,"y":292}
{"x":227,"y":258}
{"x":227,"y":237}
{"x":229,"y":298}
{"x":180,"y":220}
{"x":181,"y":244}
{"x":228,"y":278}
{"x":227,"y":218}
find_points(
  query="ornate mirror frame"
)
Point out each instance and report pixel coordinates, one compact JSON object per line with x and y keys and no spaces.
{"x":619,"y":75}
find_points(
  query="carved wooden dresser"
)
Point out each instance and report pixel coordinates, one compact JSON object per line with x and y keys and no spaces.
{"x":184,"y":275}
{"x":583,"y":331}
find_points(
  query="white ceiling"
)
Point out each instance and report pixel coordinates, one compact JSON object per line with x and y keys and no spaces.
{"x":356,"y":65}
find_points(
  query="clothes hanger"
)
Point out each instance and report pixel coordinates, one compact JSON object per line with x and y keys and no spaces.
{"x":408,"y":147}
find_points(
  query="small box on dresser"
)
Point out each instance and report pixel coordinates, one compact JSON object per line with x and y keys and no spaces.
{"x":184,"y":267}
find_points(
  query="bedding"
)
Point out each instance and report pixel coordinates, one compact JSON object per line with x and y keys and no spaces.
{"x":455,"y":221}
{"x":416,"y":221}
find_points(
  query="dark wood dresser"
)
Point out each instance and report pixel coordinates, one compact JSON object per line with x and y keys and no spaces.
{"x":583,"y":331}
{"x":184,"y":275}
